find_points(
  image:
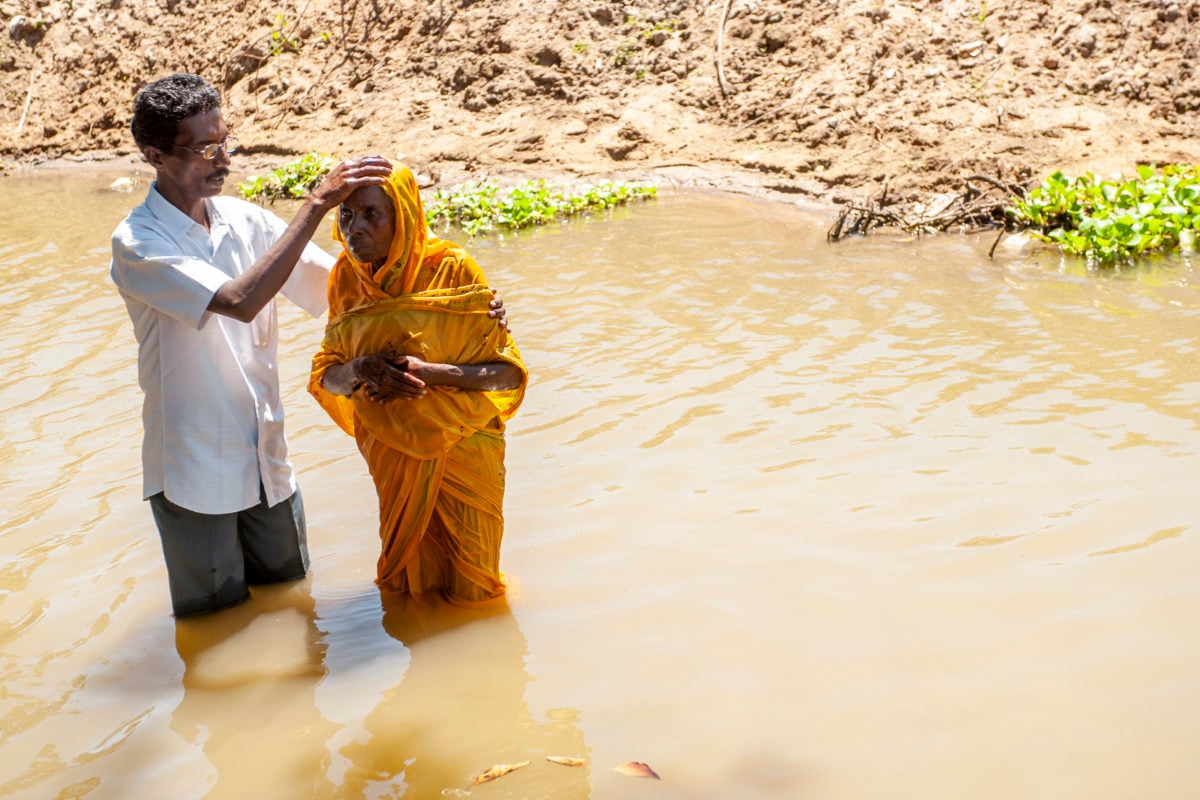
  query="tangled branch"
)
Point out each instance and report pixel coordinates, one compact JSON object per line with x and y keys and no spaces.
{"x":972,"y":208}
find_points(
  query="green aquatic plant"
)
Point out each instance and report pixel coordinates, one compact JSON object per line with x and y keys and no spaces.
{"x":292,"y":181}
{"x":481,"y":207}
{"x":1116,"y":220}
{"x":474,"y":207}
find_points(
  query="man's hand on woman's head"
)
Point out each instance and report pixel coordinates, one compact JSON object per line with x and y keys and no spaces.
{"x":347,"y":177}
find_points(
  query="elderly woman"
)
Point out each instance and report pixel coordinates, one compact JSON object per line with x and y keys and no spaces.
{"x":414,"y":368}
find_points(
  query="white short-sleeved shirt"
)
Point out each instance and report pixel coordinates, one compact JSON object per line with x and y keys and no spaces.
{"x":212,"y":416}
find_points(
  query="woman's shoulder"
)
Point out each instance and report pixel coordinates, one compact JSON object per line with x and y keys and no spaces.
{"x":443,"y":255}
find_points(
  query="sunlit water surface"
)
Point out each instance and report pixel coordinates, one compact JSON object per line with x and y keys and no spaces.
{"x":785,"y":519}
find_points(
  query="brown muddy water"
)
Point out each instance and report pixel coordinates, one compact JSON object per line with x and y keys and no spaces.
{"x":882,"y":519}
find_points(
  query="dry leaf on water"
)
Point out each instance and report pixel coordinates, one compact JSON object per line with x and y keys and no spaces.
{"x":499,"y":771}
{"x":568,"y":761}
{"x":637,"y":769}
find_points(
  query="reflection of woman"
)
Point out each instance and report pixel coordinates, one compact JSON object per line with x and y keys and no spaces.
{"x":459,"y":709}
{"x":414,"y":368}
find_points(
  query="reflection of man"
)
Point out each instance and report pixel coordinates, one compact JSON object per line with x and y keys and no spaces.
{"x":199,"y":274}
{"x":249,"y":705}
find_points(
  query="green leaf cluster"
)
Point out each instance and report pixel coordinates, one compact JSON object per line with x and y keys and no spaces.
{"x":280,"y":39}
{"x":474,"y":207}
{"x":1114,"y":221}
{"x":292,"y":181}
{"x":478,"y":208}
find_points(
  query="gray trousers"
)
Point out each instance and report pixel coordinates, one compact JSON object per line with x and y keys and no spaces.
{"x":212,"y":559}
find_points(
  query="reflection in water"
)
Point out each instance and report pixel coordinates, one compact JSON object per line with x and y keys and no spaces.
{"x":777,"y":510}
{"x":458,"y":706}
{"x":459,"y":710}
{"x":250,"y":677}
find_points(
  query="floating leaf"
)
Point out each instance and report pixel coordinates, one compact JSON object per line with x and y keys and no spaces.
{"x":569,"y":761}
{"x":499,"y":771}
{"x":636,"y":769}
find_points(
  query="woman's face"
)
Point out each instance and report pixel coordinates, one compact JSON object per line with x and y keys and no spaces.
{"x":367,"y":220}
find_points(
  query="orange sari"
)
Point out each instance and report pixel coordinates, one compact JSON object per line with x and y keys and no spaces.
{"x":437,"y":462}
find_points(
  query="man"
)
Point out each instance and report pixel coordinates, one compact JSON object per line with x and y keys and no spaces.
{"x":199,"y":274}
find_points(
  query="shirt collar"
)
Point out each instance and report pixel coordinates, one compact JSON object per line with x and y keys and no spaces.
{"x":168,"y":214}
{"x":181,"y":224}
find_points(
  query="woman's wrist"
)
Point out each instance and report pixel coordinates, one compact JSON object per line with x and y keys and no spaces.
{"x":342,"y":379}
{"x":356,"y":378}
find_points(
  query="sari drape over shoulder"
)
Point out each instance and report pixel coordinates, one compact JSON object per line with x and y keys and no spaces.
{"x":437,"y":462}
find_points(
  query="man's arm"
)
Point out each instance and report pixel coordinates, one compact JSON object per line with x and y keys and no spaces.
{"x":244,"y":296}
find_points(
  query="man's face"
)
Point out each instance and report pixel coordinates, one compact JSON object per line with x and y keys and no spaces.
{"x":367,"y":221}
{"x":185,"y":176}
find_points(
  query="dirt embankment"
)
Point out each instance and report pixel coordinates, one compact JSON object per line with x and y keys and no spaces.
{"x":819,"y":100}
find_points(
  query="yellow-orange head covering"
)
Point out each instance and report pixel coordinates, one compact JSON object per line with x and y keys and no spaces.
{"x":398,"y":274}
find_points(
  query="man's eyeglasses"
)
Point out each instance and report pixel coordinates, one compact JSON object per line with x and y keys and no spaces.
{"x":209,"y":151}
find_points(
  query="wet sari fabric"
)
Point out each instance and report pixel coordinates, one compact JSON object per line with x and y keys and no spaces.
{"x":437,"y":462}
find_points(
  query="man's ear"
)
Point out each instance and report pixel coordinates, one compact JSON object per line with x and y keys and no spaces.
{"x":154,"y":157}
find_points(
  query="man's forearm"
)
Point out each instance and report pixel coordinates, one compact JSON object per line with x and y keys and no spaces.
{"x":244,"y":296}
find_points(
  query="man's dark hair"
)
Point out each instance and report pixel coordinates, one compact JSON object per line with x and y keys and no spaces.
{"x":161,"y":105}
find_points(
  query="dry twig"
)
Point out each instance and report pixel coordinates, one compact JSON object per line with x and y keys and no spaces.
{"x":721,"y":48}
{"x":28,"y":98}
{"x":969,"y":208}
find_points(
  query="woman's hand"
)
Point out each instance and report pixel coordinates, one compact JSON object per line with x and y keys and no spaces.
{"x":497,"y":311}
{"x":383,"y":379}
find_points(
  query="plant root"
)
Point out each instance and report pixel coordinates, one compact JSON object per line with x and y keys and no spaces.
{"x":979,"y":205}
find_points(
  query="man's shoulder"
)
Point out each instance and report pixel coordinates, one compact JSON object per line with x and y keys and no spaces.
{"x":139,"y":219}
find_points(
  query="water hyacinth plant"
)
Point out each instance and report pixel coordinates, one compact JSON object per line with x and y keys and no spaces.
{"x":1112,"y":222}
{"x":478,"y":208}
{"x":292,"y":181}
{"x":474,"y":207}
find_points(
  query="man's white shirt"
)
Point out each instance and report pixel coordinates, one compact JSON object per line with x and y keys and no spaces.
{"x":212,"y":415}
